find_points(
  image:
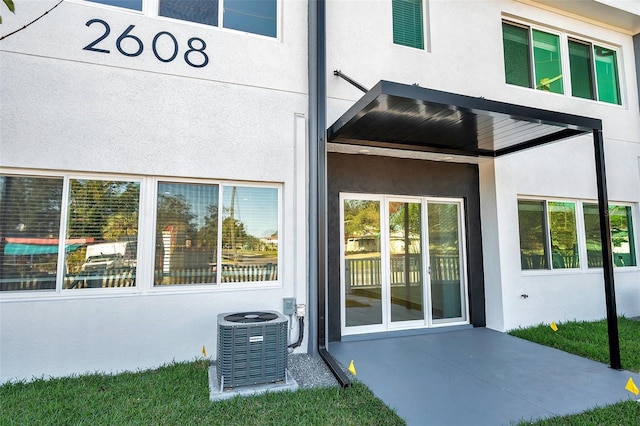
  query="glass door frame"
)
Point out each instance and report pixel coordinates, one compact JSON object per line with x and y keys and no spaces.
{"x":428,"y":321}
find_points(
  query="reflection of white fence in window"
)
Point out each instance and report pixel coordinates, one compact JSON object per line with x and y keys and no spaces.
{"x":242,"y":273}
{"x":230,"y":274}
{"x":364,"y":273}
{"x":106,"y":279}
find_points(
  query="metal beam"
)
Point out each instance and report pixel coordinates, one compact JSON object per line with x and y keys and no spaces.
{"x":607,"y":255}
{"x":350,"y":80}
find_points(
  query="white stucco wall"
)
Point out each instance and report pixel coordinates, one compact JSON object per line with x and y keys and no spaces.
{"x":68,"y":110}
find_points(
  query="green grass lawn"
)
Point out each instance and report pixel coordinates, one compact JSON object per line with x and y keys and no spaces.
{"x":590,"y":340}
{"x":178,"y":394}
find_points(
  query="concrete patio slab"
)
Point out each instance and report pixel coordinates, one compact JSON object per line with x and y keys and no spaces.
{"x":480,"y":377}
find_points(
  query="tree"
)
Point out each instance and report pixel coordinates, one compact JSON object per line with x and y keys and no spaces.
{"x":10,"y":5}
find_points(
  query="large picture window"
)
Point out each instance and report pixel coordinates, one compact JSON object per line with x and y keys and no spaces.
{"x":197,"y":242}
{"x":532,"y":58}
{"x":549,"y":235}
{"x":100,"y":228}
{"x":408,"y":23}
{"x":69,"y":234}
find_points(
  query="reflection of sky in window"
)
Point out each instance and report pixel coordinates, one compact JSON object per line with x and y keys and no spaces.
{"x":253,"y":16}
{"x":198,"y":197}
{"x":127,"y":4}
{"x":256,"y":208}
{"x":201,"y":11}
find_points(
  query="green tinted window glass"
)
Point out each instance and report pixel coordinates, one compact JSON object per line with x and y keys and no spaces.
{"x":624,"y":253}
{"x":622,"y":238}
{"x":533,"y":234}
{"x":546,"y":56}
{"x":408,"y":23}
{"x":517,"y":64}
{"x":607,"y":75}
{"x":564,"y":236}
{"x":592,"y":235}
{"x":581,"y":75}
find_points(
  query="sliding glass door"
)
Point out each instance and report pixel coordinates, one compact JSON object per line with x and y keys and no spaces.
{"x":402,"y":263}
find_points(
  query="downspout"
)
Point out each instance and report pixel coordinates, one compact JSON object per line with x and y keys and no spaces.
{"x":607,"y":255}
{"x":636,"y":50}
{"x":318,"y":189}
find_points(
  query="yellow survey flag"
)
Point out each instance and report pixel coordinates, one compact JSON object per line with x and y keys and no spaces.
{"x":553,"y":326}
{"x":631,"y":387}
{"x":204,"y":351}
{"x":352,"y":368}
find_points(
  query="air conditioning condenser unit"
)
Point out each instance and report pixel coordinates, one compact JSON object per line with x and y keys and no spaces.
{"x":252,"y":348}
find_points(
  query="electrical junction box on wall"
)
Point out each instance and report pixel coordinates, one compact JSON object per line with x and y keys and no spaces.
{"x":288,"y":305}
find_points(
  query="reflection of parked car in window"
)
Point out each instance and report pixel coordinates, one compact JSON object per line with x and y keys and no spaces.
{"x":116,"y":255}
{"x":102,"y":262}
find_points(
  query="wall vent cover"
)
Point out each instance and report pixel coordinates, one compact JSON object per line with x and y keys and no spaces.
{"x":252,"y":348}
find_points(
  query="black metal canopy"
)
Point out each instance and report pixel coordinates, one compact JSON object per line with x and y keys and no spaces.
{"x":409,"y":117}
{"x":395,"y":115}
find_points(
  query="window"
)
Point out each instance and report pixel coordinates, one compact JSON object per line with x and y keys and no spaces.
{"x":29,"y":232}
{"x":251,"y":16}
{"x":549,"y":235}
{"x":101,"y":234}
{"x":67,"y":234}
{"x":546,"y":73}
{"x":408,"y":27}
{"x":532,"y":58}
{"x":564,"y":235}
{"x":100,"y":226}
{"x":607,"y":75}
{"x":533,"y":232}
{"x":197,"y":242}
{"x":586,"y":61}
{"x":127,"y":4}
{"x":623,"y":244}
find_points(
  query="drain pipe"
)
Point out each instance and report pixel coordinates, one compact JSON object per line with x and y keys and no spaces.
{"x":317,"y":190}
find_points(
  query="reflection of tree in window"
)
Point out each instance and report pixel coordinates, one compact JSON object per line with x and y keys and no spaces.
{"x":101,"y":211}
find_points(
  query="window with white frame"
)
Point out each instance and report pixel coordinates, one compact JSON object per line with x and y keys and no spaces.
{"x":251,"y":16}
{"x":70,"y":233}
{"x":216,"y":233}
{"x":99,"y":225}
{"x":533,"y":58}
{"x":549,"y":239}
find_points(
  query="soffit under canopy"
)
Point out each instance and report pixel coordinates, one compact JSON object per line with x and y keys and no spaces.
{"x":409,"y":117}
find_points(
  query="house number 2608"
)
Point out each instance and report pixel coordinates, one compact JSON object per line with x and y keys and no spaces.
{"x":195,"y":56}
